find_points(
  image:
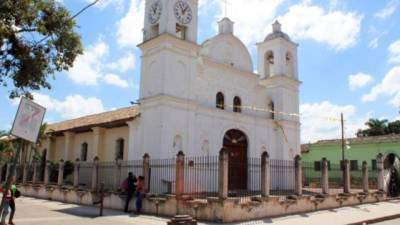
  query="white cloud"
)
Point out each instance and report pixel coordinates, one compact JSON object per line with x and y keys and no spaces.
{"x":115,"y":80}
{"x":359,"y":80}
{"x":123,"y":64}
{"x":388,"y":10}
{"x":104,"y":3}
{"x":390,"y":87}
{"x":129,"y":28}
{"x":72,"y":106}
{"x":338,"y":29}
{"x":253,"y":18}
{"x":373,"y":43}
{"x":321,"y":121}
{"x":92,"y":66}
{"x":87,"y":67}
{"x":394,"y":50}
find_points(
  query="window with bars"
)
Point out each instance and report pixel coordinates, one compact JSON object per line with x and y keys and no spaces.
{"x":353,"y":165}
{"x":237,"y":104}
{"x":84,"y":152}
{"x":220,"y":101}
{"x":119,"y":151}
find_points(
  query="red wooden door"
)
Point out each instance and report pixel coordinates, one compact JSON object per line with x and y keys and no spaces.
{"x":235,"y":142}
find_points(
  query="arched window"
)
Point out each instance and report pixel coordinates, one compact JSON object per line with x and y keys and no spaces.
{"x":177,"y":145}
{"x":269,"y":64}
{"x":220,"y":101}
{"x":119,"y":149}
{"x":271,"y":107}
{"x":289,"y":64}
{"x":84,"y":152}
{"x":237,"y":104}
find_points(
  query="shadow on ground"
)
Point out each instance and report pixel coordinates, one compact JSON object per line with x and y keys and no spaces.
{"x":88,"y":212}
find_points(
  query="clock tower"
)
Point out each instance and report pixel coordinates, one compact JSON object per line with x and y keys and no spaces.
{"x":174,"y":17}
{"x":169,"y":61}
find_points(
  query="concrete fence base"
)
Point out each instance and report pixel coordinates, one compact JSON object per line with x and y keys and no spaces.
{"x":210,"y":209}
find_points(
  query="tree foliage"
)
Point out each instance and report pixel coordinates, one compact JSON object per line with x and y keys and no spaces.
{"x":377,"y":127}
{"x":37,"y":39}
{"x":6,"y":147}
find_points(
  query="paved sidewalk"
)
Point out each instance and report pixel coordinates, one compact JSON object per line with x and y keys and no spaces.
{"x":34,"y":212}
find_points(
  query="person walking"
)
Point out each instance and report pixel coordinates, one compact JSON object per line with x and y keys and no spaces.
{"x":140,"y":192}
{"x":130,"y":188}
{"x":14,"y":194}
{"x":6,"y":205}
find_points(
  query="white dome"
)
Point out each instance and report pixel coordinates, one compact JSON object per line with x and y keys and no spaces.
{"x":228,"y":49}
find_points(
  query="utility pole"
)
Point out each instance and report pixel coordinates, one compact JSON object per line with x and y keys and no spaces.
{"x":343,"y":144}
{"x":342,"y":165}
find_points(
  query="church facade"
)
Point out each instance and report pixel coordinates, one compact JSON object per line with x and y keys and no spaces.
{"x":195,"y":98}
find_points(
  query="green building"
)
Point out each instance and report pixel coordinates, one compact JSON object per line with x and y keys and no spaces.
{"x":357,"y":150}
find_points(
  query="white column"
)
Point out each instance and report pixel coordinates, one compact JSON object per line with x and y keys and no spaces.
{"x":133,"y":130}
{"x":49,"y":146}
{"x":98,"y":143}
{"x":68,"y":146}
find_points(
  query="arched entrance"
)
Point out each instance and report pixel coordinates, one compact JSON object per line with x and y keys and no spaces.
{"x":392,"y":180}
{"x":235,"y":141}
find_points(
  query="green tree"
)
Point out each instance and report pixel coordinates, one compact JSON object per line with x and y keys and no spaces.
{"x":37,"y":39}
{"x":6,"y":147}
{"x":376,"y":127}
{"x":394,"y":127}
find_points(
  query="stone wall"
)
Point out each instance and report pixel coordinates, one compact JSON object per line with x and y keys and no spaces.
{"x":210,"y":209}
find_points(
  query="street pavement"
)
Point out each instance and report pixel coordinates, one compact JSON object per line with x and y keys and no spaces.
{"x":42,"y":212}
{"x":389,"y":222}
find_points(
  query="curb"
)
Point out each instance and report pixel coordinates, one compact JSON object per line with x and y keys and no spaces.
{"x":377,"y":220}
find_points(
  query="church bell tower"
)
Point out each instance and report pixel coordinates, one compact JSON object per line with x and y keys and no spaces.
{"x":277,"y":67}
{"x":174,"y":17}
{"x":169,"y":57}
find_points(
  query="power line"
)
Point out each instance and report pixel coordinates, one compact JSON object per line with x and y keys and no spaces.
{"x":73,"y":17}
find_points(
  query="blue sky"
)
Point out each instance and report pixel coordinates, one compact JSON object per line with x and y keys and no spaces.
{"x":349,"y":58}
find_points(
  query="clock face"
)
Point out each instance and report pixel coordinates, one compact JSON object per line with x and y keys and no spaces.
{"x":155,"y":12}
{"x":183,"y":12}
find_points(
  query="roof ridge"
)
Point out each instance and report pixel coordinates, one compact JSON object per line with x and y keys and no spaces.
{"x":95,"y":114}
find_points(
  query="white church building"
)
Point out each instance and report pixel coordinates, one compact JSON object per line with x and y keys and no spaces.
{"x":195,"y":98}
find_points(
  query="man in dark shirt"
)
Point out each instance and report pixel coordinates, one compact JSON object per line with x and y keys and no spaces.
{"x":131,"y":187}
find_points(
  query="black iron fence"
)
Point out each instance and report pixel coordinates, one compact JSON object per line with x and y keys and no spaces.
{"x":85,"y":174}
{"x":162,"y":176}
{"x":311,"y":178}
{"x":201,"y":176}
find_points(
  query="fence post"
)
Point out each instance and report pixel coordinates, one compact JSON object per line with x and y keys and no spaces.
{"x":223,"y":173}
{"x":325,"y":176}
{"x":95,"y":173}
{"x":117,"y":174}
{"x":347,"y":182}
{"x":1,"y":172}
{"x":180,"y":174}
{"x":35,"y":168}
{"x":60,"y":179}
{"x":298,"y":183}
{"x":25,"y":173}
{"x":76,"y":173}
{"x":146,"y":171}
{"x":265,"y":174}
{"x":365,"y":177}
{"x":380,"y":168}
{"x":47,"y":173}
{"x":8,"y":170}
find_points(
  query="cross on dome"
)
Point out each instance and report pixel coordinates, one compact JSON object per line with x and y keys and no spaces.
{"x":226,"y":7}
